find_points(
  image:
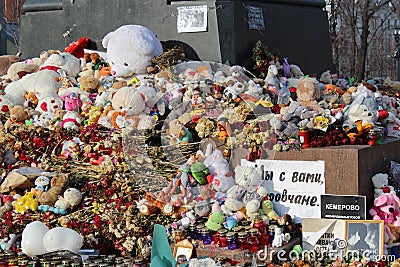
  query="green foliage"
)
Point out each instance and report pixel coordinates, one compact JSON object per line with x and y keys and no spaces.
{"x":262,"y":57}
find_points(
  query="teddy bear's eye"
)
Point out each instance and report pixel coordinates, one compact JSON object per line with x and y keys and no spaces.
{"x":120,"y":107}
{"x":112,"y":63}
{"x":125,"y":64}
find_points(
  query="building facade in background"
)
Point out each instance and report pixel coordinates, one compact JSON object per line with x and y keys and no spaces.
{"x":10,"y":21}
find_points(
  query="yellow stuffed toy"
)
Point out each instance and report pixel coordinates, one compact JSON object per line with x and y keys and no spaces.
{"x":25,"y":203}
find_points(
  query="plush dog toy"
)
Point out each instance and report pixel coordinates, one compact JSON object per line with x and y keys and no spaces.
{"x":386,"y":208}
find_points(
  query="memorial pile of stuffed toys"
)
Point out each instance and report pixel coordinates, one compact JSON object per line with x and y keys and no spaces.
{"x":84,"y":134}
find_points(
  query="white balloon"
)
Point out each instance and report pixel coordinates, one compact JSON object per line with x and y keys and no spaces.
{"x":32,"y":238}
{"x":62,"y":238}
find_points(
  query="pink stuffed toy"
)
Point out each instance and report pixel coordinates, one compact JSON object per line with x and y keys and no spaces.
{"x":72,"y":102}
{"x":386,"y":208}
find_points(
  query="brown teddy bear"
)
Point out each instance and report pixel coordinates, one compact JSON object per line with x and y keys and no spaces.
{"x":90,"y":84}
{"x":18,"y":115}
{"x":179,"y":133}
{"x":396,"y":233}
{"x":6,"y":61}
{"x":58,"y":185}
{"x":308,"y":92}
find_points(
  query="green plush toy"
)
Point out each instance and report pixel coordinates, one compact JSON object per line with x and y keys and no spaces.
{"x":199,"y":172}
{"x":216,"y":219}
{"x":268,"y":209}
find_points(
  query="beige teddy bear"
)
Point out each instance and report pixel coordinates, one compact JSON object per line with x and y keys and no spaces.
{"x":18,"y":115}
{"x":58,"y":184}
{"x":90,"y":84}
{"x":308,"y":92}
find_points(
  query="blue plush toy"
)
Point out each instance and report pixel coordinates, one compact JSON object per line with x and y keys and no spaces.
{"x":46,"y":208}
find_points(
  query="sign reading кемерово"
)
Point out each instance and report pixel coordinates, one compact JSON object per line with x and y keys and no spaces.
{"x":343,"y":207}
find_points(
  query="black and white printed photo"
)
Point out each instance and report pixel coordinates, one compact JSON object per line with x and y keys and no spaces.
{"x":365,"y":236}
{"x":192,"y":18}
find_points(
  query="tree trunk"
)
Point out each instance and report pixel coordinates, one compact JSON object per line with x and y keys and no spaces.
{"x":362,"y":55}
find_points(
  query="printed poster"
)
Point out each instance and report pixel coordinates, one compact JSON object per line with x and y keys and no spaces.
{"x":192,"y":19}
{"x":255,"y":18}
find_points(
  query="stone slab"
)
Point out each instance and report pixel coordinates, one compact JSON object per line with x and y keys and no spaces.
{"x":348,"y":169}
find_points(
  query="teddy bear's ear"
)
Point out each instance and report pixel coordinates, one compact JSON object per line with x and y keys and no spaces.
{"x":106,"y":39}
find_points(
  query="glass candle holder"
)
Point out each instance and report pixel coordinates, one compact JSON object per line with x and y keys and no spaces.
{"x":192,"y":231}
{"x":236,"y":230}
{"x":222,"y":237}
{"x":243,"y":240}
{"x":271,"y":232}
{"x":253,"y":240}
{"x":259,"y":224}
{"x":231,"y":241}
{"x":206,"y":236}
{"x":264,"y":239}
{"x":199,"y":228}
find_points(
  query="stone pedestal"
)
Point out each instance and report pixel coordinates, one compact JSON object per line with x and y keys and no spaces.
{"x":348,"y":169}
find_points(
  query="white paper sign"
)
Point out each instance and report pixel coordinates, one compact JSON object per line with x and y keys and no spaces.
{"x":295,"y":187}
{"x":322,"y":233}
{"x":192,"y":18}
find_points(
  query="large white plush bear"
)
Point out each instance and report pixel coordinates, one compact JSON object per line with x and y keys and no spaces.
{"x":130,"y":49}
{"x":65,"y":64}
{"x":43,"y":82}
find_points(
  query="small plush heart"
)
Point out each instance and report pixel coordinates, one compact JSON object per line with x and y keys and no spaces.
{"x":43,"y":106}
{"x":382,"y":114}
{"x":385,"y":189}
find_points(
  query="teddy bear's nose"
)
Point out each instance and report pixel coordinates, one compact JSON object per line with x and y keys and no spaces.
{"x":113,"y":73}
{"x":369,"y":114}
{"x":391,"y":209}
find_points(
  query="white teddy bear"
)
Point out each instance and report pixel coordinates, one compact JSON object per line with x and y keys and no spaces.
{"x":130,"y":49}
{"x":71,"y":120}
{"x":234,"y":200}
{"x":45,"y":119}
{"x":43,"y":82}
{"x":381,"y":184}
{"x":247,"y":176}
{"x":361,"y":112}
{"x":64,"y":63}
{"x":72,"y":197}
